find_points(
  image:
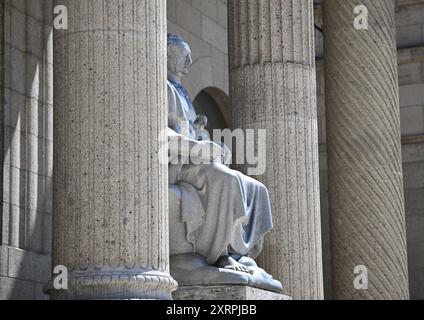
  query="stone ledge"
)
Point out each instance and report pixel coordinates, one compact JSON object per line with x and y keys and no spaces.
{"x":230,"y":292}
{"x":413,"y":139}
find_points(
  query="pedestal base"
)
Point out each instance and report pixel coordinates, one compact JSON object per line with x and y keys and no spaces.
{"x":226,"y":293}
{"x":115,"y":284}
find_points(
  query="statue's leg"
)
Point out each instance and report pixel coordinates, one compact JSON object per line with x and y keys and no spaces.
{"x":247,"y":237}
{"x":237,"y":208}
{"x":222,"y":198}
{"x":178,"y":243}
{"x":235,"y":217}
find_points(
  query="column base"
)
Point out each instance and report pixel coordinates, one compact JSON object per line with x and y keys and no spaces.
{"x":223,"y":292}
{"x":116,"y":285}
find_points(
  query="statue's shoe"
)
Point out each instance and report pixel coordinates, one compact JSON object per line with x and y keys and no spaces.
{"x":248,"y":262}
{"x":193,"y":270}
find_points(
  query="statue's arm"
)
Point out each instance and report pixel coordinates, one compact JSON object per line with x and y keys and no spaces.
{"x":226,"y":157}
{"x":175,"y":139}
{"x":180,"y":145}
{"x":173,"y":122}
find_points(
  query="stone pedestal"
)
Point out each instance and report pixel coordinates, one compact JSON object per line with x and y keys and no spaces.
{"x":273,"y":87}
{"x":218,"y":293}
{"x":364,"y":151}
{"x":110,"y":225}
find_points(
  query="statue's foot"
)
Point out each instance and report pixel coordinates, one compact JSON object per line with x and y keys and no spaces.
{"x":230,"y":263}
{"x":248,"y":262}
{"x":193,"y":270}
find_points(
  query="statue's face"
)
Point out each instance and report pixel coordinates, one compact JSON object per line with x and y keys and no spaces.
{"x":179,"y":59}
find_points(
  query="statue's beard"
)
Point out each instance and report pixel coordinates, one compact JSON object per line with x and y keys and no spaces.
{"x":178,"y":71}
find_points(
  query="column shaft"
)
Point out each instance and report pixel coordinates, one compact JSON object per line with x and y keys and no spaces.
{"x":1,"y":114}
{"x":364,"y":151}
{"x":110,"y":190}
{"x":272,"y":74}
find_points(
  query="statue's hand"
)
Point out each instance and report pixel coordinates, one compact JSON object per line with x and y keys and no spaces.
{"x":201,"y":120}
{"x":180,"y":145}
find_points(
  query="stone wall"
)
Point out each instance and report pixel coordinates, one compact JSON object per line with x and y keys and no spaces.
{"x":27,"y":148}
{"x":203,"y":23}
{"x":410,"y":21}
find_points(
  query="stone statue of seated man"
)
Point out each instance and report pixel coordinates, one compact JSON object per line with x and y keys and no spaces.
{"x":218,"y":216}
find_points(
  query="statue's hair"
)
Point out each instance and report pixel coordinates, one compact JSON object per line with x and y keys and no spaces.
{"x":174,"y":44}
{"x":175,"y":40}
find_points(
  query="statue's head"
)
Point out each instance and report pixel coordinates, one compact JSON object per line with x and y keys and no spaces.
{"x":179,"y":56}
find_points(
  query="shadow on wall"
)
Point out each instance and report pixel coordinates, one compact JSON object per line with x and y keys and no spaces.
{"x":27,"y":150}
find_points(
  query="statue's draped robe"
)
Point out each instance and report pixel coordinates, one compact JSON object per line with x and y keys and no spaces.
{"x":224,"y":211}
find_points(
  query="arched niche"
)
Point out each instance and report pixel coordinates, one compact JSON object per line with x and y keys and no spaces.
{"x":215,"y":104}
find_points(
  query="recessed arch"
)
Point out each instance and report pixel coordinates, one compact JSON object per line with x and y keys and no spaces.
{"x":215,"y":104}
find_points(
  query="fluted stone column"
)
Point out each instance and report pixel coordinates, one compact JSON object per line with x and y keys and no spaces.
{"x":110,"y":191}
{"x":272,"y":67}
{"x":1,"y":111}
{"x":364,"y":151}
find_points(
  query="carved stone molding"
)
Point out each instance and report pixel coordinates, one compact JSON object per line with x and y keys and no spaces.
{"x":116,"y":284}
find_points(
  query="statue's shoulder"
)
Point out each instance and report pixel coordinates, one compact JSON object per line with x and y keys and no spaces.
{"x":172,"y":98}
{"x":171,"y":90}
{"x":170,"y":85}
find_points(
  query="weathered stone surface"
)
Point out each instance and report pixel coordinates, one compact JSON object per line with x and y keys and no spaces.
{"x":273,"y":87}
{"x":364,"y":151}
{"x":15,"y":289}
{"x":110,"y":190}
{"x":231,"y":293}
{"x":1,"y":111}
{"x":27,"y":265}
